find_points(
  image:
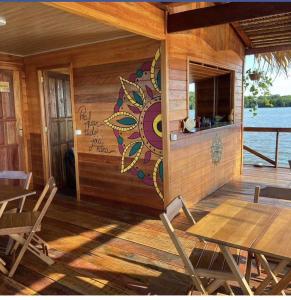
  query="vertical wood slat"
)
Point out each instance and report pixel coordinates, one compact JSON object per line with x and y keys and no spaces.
{"x":277,"y":150}
{"x":9,"y":140}
{"x":59,"y":119}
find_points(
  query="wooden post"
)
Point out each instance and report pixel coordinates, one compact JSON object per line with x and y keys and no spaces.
{"x":277,"y":149}
{"x":257,"y":194}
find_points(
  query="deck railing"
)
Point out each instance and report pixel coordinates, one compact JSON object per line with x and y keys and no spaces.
{"x":273,"y":162}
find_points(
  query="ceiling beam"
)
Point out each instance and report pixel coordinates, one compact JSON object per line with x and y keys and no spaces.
{"x":141,"y":18}
{"x":222,"y":14}
{"x":239,"y":31}
{"x":260,"y":50}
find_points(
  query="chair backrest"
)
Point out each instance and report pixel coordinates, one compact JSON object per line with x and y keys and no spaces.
{"x":17,"y":175}
{"x":44,"y":201}
{"x":170,"y":213}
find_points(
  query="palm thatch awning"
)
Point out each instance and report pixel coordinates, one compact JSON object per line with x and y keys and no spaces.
{"x":266,"y":34}
{"x":264,"y":28}
{"x":269,"y":38}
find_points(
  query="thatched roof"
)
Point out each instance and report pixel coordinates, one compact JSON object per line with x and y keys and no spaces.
{"x":276,"y":62}
{"x":268,"y":37}
{"x":266,"y":34}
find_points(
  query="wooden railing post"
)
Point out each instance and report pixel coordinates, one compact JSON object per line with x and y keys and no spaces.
{"x":277,"y":149}
{"x":276,"y":130}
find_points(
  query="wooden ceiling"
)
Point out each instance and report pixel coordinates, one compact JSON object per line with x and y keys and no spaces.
{"x":33,"y":28}
{"x":198,"y":72}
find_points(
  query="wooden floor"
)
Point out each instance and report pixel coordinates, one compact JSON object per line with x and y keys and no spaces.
{"x":100,"y":250}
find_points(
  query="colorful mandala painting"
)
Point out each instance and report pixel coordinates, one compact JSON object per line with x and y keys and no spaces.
{"x":137,"y":124}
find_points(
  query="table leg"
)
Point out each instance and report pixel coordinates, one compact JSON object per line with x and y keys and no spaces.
{"x":281,"y":285}
{"x":279,"y":268}
{"x":235,"y":270}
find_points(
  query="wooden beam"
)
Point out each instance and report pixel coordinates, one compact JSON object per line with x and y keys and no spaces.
{"x":267,"y":129}
{"x":241,"y":34}
{"x":254,"y":152}
{"x":277,"y":48}
{"x":222,"y":14}
{"x":140,"y":18}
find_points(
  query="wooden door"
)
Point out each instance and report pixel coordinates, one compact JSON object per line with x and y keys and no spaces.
{"x":59,"y":123}
{"x":10,"y":148}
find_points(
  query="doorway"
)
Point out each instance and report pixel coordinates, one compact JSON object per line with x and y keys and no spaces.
{"x":59,"y":128}
{"x":11,"y":156}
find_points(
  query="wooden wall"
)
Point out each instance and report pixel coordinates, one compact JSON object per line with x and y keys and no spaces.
{"x":191,"y":170}
{"x":98,"y":94}
{"x":14,"y":64}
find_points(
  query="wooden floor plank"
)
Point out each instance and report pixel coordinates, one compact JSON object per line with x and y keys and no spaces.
{"x":104,"y":251}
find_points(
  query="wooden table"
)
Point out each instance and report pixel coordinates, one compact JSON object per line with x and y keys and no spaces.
{"x":10,"y":193}
{"x":257,"y":228}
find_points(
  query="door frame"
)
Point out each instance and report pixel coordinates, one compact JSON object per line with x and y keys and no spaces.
{"x":46,"y":151}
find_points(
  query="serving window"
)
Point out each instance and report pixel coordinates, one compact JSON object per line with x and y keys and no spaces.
{"x":210,"y":95}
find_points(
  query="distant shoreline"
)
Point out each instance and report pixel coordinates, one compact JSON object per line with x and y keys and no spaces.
{"x":269,"y":101}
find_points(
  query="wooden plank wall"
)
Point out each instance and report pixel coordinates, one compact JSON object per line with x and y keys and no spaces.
{"x":191,"y":170}
{"x":14,"y":64}
{"x":96,"y":73}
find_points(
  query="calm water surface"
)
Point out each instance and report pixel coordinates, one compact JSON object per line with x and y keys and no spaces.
{"x":265,"y":142}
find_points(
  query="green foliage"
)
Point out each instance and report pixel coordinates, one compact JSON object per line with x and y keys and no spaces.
{"x":258,"y":88}
{"x":269,"y":101}
{"x":192,"y":100}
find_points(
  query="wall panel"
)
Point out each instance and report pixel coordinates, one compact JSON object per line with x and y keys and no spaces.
{"x":192,"y":173}
{"x":99,"y":92}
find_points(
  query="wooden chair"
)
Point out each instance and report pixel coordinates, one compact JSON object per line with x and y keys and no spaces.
{"x":24,"y":178}
{"x":267,"y":192}
{"x":206,"y":261}
{"x":22,"y":228}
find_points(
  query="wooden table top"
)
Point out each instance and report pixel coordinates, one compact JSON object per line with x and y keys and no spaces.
{"x":9,"y":193}
{"x":276,"y":240}
{"x":248,"y":226}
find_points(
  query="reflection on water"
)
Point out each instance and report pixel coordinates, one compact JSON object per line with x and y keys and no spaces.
{"x":265,"y":142}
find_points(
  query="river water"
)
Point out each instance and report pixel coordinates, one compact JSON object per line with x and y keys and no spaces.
{"x":265,"y":142}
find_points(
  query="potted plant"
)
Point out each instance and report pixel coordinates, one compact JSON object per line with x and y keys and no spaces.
{"x":254,"y":75}
{"x":256,"y":84}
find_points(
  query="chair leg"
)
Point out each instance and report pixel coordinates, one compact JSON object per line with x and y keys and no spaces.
{"x":9,"y":246}
{"x":213,"y":286}
{"x":21,"y":253}
{"x":249,"y":267}
{"x":45,"y":258}
{"x":235,"y":270}
{"x":258,"y":265}
{"x":228,"y":289}
{"x":269,"y":279}
{"x":2,"y":267}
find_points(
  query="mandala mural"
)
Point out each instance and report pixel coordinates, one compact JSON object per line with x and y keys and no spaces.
{"x":137,"y":124}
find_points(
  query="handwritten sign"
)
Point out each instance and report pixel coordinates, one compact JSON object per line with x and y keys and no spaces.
{"x":92,"y":129}
{"x":4,"y":87}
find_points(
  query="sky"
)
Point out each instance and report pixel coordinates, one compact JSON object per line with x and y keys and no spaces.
{"x":281,"y":85}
